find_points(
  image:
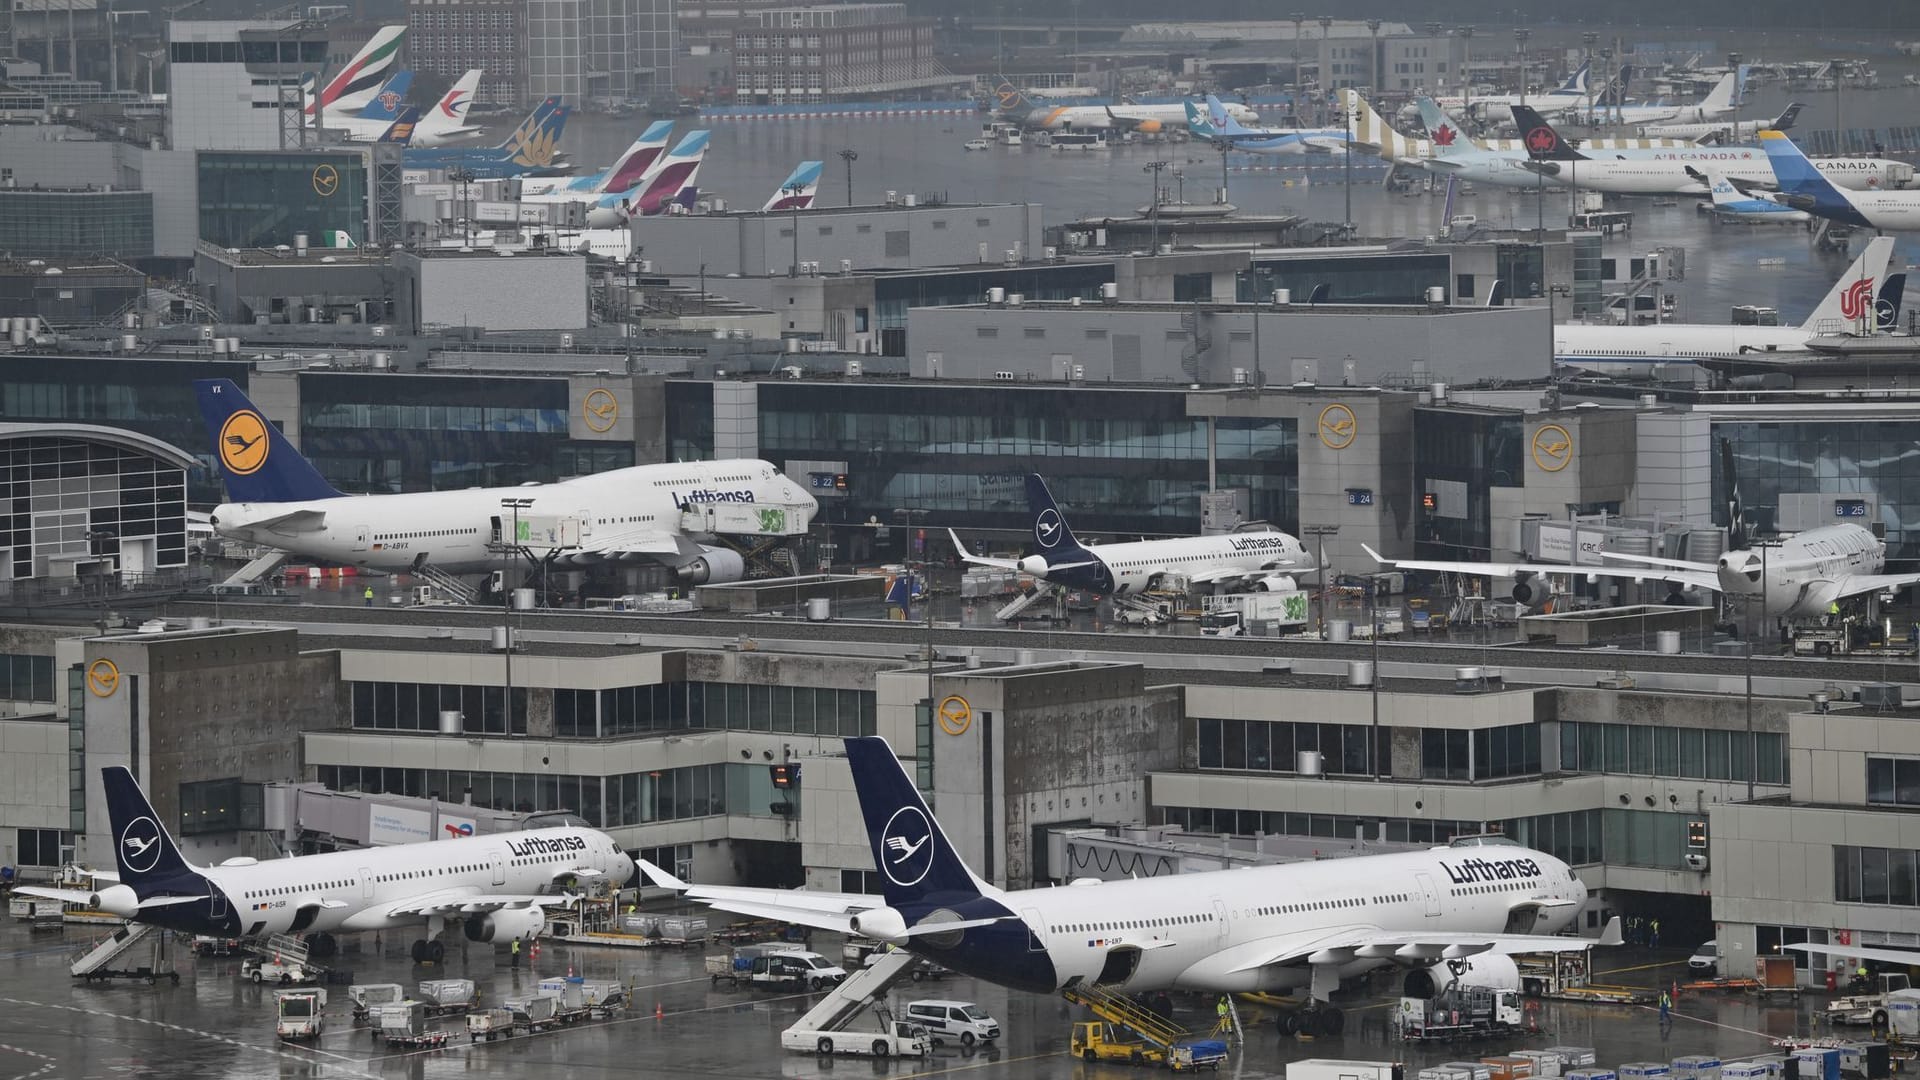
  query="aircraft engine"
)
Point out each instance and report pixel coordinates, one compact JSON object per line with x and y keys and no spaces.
{"x":606,"y":217}
{"x":1148,"y":127}
{"x":1277,"y":583}
{"x":116,"y":900}
{"x":1487,"y":971}
{"x":1534,"y":593}
{"x":1034,"y":565}
{"x":506,"y":924}
{"x":881,"y":924}
{"x":715,"y":565}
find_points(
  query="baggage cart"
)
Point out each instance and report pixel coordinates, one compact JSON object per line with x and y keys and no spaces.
{"x":489,"y":1024}
{"x":367,"y":995}
{"x":447,"y":997}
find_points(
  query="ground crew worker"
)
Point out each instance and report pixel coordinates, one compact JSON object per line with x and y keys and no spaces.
{"x":1833,"y":613}
{"x":1653,"y":929}
{"x":516,"y":954}
{"x":1666,"y":1007}
{"x":368,"y":596}
{"x":1220,"y":1010}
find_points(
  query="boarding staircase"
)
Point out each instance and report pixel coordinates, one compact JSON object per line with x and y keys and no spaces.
{"x":1122,"y":1011}
{"x":280,"y":948}
{"x":1142,"y":610}
{"x":260,"y":567}
{"x":98,"y":959}
{"x":1026,"y":599}
{"x":448,"y":585}
{"x":865,"y":988}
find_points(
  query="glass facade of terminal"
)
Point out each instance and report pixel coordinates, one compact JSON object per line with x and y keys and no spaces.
{"x":65,"y":500}
{"x":1121,"y":461}
{"x":603,"y":801}
{"x":1387,"y":279}
{"x":66,"y":224}
{"x":251,"y":199}
{"x":1459,"y":456}
{"x":1832,"y":456}
{"x":386,"y":433}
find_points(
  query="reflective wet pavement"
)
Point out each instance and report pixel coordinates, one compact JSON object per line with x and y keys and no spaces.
{"x":215,"y":1025}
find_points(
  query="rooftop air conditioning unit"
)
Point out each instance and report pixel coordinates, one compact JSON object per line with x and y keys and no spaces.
{"x":1003,"y":376}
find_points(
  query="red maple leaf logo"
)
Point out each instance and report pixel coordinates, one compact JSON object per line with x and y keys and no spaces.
{"x":1540,"y":140}
{"x":1443,"y":135}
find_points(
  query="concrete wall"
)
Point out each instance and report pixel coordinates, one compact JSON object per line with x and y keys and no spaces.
{"x":1673,"y":466}
{"x":212,"y":106}
{"x":33,"y":779}
{"x":527,"y":292}
{"x":751,"y":244}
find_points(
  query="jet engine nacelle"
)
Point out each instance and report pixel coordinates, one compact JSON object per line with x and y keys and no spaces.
{"x":716,"y":565}
{"x":1487,"y":971}
{"x":606,"y":217}
{"x":881,"y":924}
{"x":1034,"y":566}
{"x":1277,"y":583}
{"x":116,"y":900}
{"x":506,"y":924}
{"x":1534,"y":593}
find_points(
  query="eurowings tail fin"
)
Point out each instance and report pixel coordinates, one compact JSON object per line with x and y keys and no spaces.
{"x":677,"y":172}
{"x":796,"y":192}
{"x":640,"y":158}
{"x":1850,"y":303}
{"x":919,"y":867}
{"x":254,"y":459}
{"x":392,"y":98}
{"x":148,"y":860}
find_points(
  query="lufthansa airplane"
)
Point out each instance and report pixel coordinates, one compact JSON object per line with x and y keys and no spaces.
{"x":1301,"y":925}
{"x":498,"y":886}
{"x":280,"y":500}
{"x":1256,"y":558}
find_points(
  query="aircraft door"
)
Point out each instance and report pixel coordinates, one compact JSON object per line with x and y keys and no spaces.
{"x":499,"y":869}
{"x":1431,"y":894}
{"x":366,"y":884}
{"x":359,"y":538}
{"x":1036,"y":930}
{"x":1222,"y":928}
{"x":217,"y":905}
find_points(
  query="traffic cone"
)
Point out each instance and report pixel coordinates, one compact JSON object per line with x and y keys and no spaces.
{"x":659,"y":1012}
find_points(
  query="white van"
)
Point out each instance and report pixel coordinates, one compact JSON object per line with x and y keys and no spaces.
{"x":954,"y":1021}
{"x":1706,"y":958}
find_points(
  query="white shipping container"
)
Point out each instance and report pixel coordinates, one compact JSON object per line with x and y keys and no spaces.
{"x":1574,"y":1057}
{"x":1334,"y":1069}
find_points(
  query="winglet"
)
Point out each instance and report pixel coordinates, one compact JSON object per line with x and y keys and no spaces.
{"x":1377,"y":557}
{"x":1611,"y":935}
{"x":660,"y":878}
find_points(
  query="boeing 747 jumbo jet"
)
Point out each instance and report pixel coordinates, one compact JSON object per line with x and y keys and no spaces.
{"x":1255,"y":558}
{"x":496,"y":885}
{"x":1301,"y":925}
{"x":281,"y":501}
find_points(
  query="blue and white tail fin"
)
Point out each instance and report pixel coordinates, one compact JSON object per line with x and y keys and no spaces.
{"x":542,"y":144}
{"x":149,"y":861}
{"x":1576,"y":83}
{"x":918,"y":864}
{"x":1886,"y":310}
{"x":796,"y":192}
{"x":391,"y":98}
{"x":1050,"y":530}
{"x":1849,"y":305}
{"x":1787,"y":116}
{"x":256,"y":462}
{"x":528,"y":126}
{"x":1221,"y":119}
{"x":1197,"y":123}
{"x":1443,"y":130}
{"x":403,"y":126}
{"x":1797,"y":177}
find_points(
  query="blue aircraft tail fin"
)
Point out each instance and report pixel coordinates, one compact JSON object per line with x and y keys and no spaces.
{"x":1886,"y":308}
{"x":148,"y":860}
{"x":1543,"y":142}
{"x":256,"y":462}
{"x":918,"y":864}
{"x":392,"y":98}
{"x":401,"y":130}
{"x":1050,"y":530}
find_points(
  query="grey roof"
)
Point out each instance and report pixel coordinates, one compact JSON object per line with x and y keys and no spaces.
{"x":112,"y":436}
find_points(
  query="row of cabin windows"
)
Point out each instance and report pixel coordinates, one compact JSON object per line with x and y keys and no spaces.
{"x":1328,"y":905}
{"x":1131,"y":924}
{"x":427,"y":533}
{"x":290,"y":890}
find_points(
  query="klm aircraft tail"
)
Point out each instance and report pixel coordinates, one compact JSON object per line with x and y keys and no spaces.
{"x":1050,"y":529}
{"x":1542,"y":141}
{"x":392,"y":98}
{"x":256,"y":462}
{"x":918,"y":865}
{"x":148,"y":860}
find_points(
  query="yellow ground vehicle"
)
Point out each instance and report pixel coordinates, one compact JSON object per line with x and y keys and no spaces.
{"x":1097,"y":1040}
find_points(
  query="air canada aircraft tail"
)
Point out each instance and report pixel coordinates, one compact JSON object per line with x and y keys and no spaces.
{"x":256,"y":462}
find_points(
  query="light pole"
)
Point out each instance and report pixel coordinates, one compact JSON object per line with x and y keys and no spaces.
{"x":464,"y":177}
{"x":849,"y":156}
{"x":1153,"y":207}
{"x":1293,"y":100}
{"x":1753,"y":755}
{"x":1839,"y":114}
{"x":513,"y":548}
{"x":1587,"y":38}
{"x":793,"y":192}
{"x":1520,"y":36}
{"x":1558,"y":288}
{"x":1325,"y":60}
{"x":1466,"y":72}
{"x":1733,"y":64}
{"x":1320,"y":533}
{"x":1373,"y":56}
{"x":906,"y":515}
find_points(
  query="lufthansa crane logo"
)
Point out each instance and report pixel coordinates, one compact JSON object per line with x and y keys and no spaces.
{"x":1046,"y":528}
{"x":243,"y":443}
{"x":103,"y":678}
{"x":600,"y":411}
{"x":140,"y":845}
{"x":1552,"y":448}
{"x":906,"y":846}
{"x":956,"y":716}
{"x":1337,"y":427}
{"x":326,"y":181}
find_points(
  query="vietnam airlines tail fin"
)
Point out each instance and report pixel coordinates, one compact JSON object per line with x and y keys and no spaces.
{"x":919,"y":867}
{"x":1542,"y":141}
{"x":528,"y":126}
{"x":541,"y":146}
{"x":448,"y":117}
{"x":639,"y":160}
{"x":796,"y":192}
{"x":360,"y":80}
{"x":1849,"y":305}
{"x":256,"y":462}
{"x":1050,"y":529}
{"x":149,"y":861}
{"x":392,"y":98}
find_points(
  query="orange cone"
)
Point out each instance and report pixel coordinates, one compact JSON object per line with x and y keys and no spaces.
{"x":659,"y":1013}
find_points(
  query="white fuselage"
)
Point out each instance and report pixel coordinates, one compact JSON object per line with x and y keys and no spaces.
{"x":1802,"y":572}
{"x":1730,"y":131}
{"x":1196,"y":931}
{"x":1895,"y":211}
{"x":1640,"y":345}
{"x":458,"y":531}
{"x":1147,"y":118}
{"x":269,"y":895}
{"x":1138,"y":565}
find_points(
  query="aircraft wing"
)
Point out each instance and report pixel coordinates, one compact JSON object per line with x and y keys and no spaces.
{"x":1903,"y":957}
{"x":1209,"y":577}
{"x":1414,"y":947}
{"x":1859,"y":584}
{"x":1696,"y":579}
{"x":806,"y":907}
{"x":65,"y":896}
{"x":651,"y":542}
{"x":980,"y":560}
{"x":295,"y":521}
{"x":472,"y":902}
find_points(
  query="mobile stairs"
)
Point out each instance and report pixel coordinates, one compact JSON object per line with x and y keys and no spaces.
{"x":120,"y":955}
{"x":865,"y":989}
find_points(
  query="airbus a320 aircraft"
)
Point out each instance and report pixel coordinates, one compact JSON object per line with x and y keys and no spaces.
{"x":1295,"y":926}
{"x":1256,"y":557}
{"x":497,"y":886}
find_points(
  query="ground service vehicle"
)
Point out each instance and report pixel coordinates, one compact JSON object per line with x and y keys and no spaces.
{"x":1705,"y":959}
{"x":489,"y":1024}
{"x":954,"y":1021}
{"x":1098,"y":1040}
{"x":258,"y":969}
{"x":368,"y":995}
{"x":297,"y":1013}
{"x":1866,"y":1009}
{"x":405,"y":1024}
{"x":1459,"y":1012}
{"x":795,"y":970}
{"x":896,"y":1038}
{"x":1330,"y":1069}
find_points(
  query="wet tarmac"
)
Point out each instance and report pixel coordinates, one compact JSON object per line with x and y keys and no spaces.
{"x":213,"y":1024}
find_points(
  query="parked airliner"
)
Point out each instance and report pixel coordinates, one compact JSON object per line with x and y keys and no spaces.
{"x":281,"y":501}
{"x":1301,"y":925}
{"x":1726,"y":131}
{"x":1257,"y":558}
{"x":1731,"y":204}
{"x":497,"y":885}
{"x":1215,"y":124}
{"x":632,"y":168}
{"x":360,"y":80}
{"x":1808,"y":188}
{"x":1126,"y":116}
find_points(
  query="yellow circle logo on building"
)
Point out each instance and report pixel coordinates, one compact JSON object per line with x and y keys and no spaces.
{"x":1552,"y":448}
{"x":956,"y":716}
{"x":243,"y":443}
{"x":1337,"y":427}
{"x":326,"y":181}
{"x":600,"y":410}
{"x":103,"y":678}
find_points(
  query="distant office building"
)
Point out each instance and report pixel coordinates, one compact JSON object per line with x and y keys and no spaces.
{"x":66,"y":292}
{"x":450,"y":37}
{"x":836,"y":52}
{"x":601,"y":52}
{"x":89,"y":501}
{"x":227,"y":79}
{"x":710,"y":25}
{"x":58,"y":224}
{"x":266,"y":199}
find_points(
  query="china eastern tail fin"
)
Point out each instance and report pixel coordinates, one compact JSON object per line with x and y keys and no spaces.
{"x":1850,"y":303}
{"x":918,"y":864}
{"x":256,"y":462}
{"x":146,"y":856}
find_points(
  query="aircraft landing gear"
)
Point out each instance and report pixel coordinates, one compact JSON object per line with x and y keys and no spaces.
{"x":321,"y":946}
{"x":1312,"y":1023}
{"x":428,"y":952}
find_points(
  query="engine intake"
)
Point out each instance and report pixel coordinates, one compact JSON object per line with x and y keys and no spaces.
{"x":1534,"y":593}
{"x":505,"y":925}
{"x":881,"y":924}
{"x":717,"y":566}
